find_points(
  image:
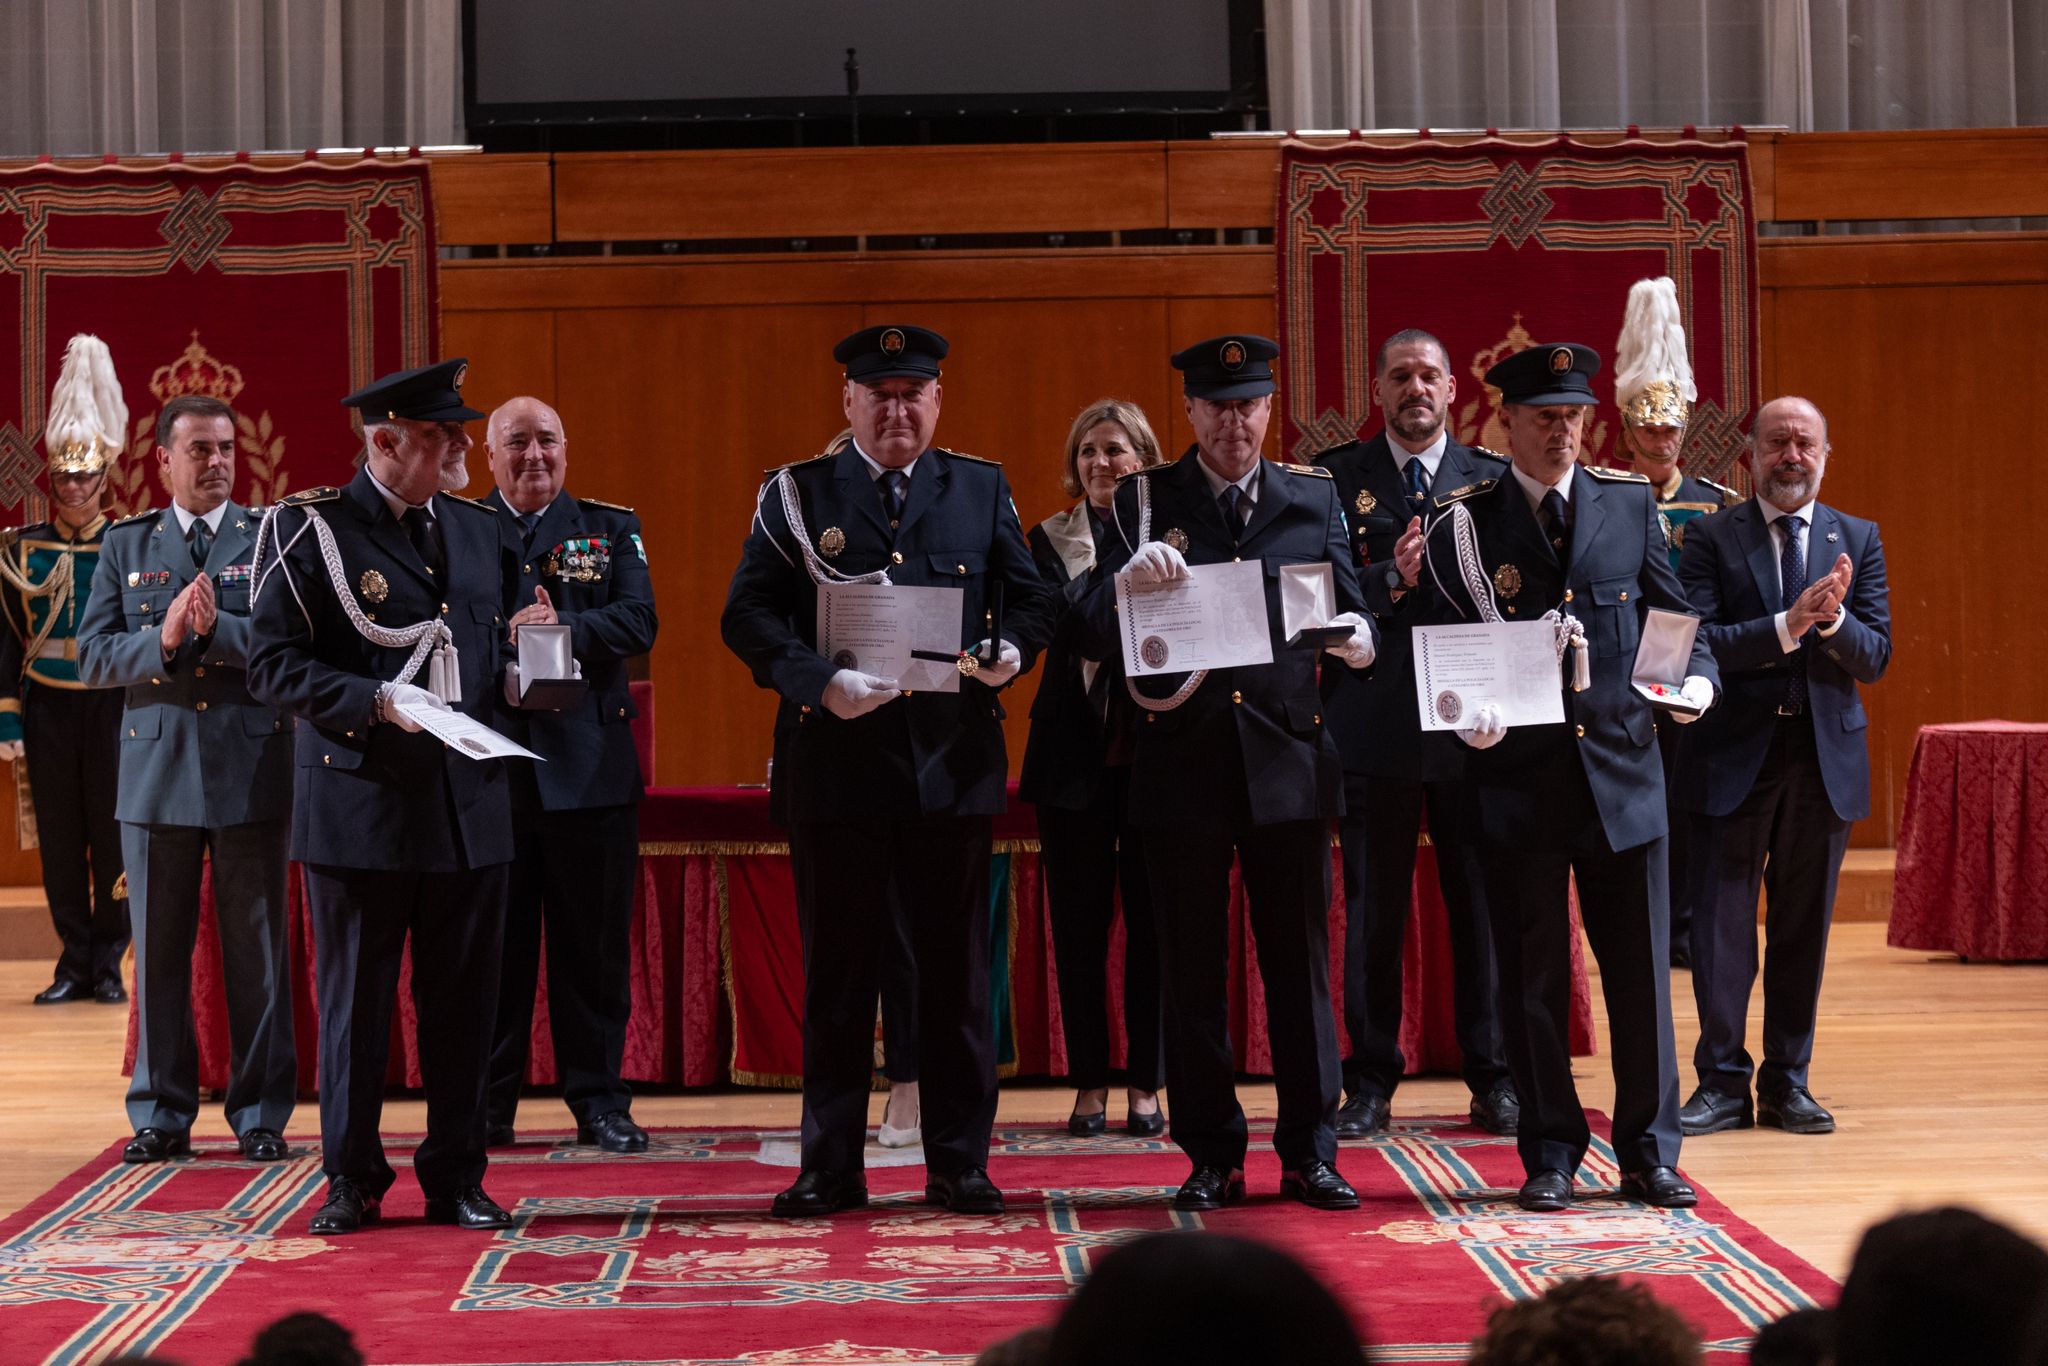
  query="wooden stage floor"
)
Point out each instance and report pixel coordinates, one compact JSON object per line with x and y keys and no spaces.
{"x":1937,"y":1071}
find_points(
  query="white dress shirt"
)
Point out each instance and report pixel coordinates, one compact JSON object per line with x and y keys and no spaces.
{"x":1247,"y":488}
{"x":1431,"y":455}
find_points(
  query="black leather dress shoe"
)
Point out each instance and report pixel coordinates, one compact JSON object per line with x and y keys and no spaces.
{"x":1318,"y":1186}
{"x":1144,"y":1126}
{"x":263,"y":1145}
{"x":467,"y":1208}
{"x":499,"y":1136}
{"x":1710,"y":1111}
{"x":1210,"y":1188}
{"x":815,"y":1193}
{"x":614,"y":1132}
{"x":1499,"y":1111}
{"x":62,"y":990}
{"x":1087,"y":1126}
{"x":108,"y":991}
{"x":347,"y":1208}
{"x":968,"y":1192}
{"x":1362,"y":1115}
{"x":1546,"y":1192}
{"x":154,"y":1145}
{"x":1796,"y":1112}
{"x":1659,"y":1186}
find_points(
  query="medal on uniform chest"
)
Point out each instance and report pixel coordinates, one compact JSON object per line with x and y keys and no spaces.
{"x":1366,"y":502}
{"x":134,"y":579}
{"x":1176,"y":538}
{"x":1507,"y":580}
{"x":373,"y":586}
{"x":830,"y":542}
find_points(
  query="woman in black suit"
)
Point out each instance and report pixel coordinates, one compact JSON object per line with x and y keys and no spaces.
{"x":1075,"y":768}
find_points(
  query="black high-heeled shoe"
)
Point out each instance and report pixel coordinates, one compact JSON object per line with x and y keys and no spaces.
{"x":1145,"y":1126}
{"x":1087,"y":1126}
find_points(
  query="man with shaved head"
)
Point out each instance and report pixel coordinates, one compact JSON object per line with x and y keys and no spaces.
{"x":1791,"y":598}
{"x":581,"y":563}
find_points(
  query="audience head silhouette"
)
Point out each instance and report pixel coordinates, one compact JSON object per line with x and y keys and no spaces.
{"x":1938,"y":1286}
{"x":1594,"y":1321}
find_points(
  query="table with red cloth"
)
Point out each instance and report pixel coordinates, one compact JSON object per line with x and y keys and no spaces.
{"x":717,"y":972}
{"x":1972,"y":871}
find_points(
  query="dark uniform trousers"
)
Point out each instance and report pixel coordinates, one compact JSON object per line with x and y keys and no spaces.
{"x":850,"y":875}
{"x":71,"y":738}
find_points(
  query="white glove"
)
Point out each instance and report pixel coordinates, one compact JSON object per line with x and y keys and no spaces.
{"x":1003,"y":670}
{"x":850,"y":694}
{"x":1355,"y":649}
{"x":1486,"y":729}
{"x":10,"y":750}
{"x":1698,"y":694}
{"x":396,"y":693}
{"x":1156,"y":562}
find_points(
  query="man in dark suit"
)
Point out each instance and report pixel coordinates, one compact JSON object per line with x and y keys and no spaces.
{"x":1579,"y":550}
{"x":400,"y":834}
{"x":889,"y":791}
{"x":1392,"y":770}
{"x":205,"y":772}
{"x":1235,"y":762}
{"x":576,"y":816}
{"x":1792,"y":599}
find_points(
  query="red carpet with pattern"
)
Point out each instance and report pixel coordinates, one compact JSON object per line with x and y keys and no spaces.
{"x":670,"y":1257}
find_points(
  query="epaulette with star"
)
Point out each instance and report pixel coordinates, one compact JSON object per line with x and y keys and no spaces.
{"x":1490,"y":454}
{"x":1728,"y":495}
{"x":326,"y":493}
{"x":1455,"y":495}
{"x":963,"y":455}
{"x":609,"y":507}
{"x":1614,"y":476}
{"x":472,"y":502}
{"x":1313,"y":471}
{"x":799,"y":464}
{"x":147,"y":515}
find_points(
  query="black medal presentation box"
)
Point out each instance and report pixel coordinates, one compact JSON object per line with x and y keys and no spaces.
{"x":547,"y":676}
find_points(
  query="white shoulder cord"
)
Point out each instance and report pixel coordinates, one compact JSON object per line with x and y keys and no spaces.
{"x":1465,"y":541}
{"x":431,"y":642}
{"x":1194,"y":680}
{"x":793,"y":516}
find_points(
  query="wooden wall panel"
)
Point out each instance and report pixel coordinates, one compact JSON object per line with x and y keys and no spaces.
{"x":490,"y":199}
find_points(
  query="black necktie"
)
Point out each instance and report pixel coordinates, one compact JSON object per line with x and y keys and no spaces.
{"x":527,"y":522}
{"x":1557,"y":522}
{"x":1418,"y":484}
{"x":426,"y":539}
{"x":199,"y":536}
{"x":892,"y":482}
{"x":1792,"y":570}
{"x":1230,"y":500}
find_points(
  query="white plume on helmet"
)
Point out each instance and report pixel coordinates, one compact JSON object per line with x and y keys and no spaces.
{"x":88,"y":422}
{"x":1652,"y":370}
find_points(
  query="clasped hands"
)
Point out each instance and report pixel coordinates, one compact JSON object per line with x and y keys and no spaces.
{"x":192,"y":613}
{"x":1822,"y":599}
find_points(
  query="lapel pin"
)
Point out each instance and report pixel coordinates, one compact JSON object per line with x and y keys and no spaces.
{"x":1834,"y":536}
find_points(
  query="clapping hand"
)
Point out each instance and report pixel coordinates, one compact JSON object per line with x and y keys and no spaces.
{"x":1821,"y":600}
{"x":193,"y":612}
{"x":1408,"y":553}
{"x":539,"y":612}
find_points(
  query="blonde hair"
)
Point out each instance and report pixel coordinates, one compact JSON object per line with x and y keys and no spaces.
{"x":1124,"y":414}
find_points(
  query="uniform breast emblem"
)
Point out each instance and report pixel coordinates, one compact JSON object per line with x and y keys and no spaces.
{"x":1176,"y":538}
{"x":1507,"y":580}
{"x":1366,"y":502}
{"x":373,"y":586}
{"x":831,"y":541}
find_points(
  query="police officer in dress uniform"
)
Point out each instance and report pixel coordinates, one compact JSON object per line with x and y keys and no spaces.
{"x":398,"y":833}
{"x":205,"y":770}
{"x":47,"y":713}
{"x":1392,"y":769}
{"x":1578,"y":549}
{"x":576,"y":816}
{"x":1236,"y":762}
{"x":1653,"y":384}
{"x":888,"y":789}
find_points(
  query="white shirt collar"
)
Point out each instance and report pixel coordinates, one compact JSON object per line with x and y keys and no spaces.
{"x":1534,"y":489}
{"x":1772,"y":512}
{"x":876,"y":471}
{"x":1248,"y":485}
{"x":186,"y":519}
{"x":399,"y":507}
{"x":1431,"y":455}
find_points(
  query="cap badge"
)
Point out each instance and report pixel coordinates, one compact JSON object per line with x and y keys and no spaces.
{"x":1176,"y":538}
{"x":1230,"y":355}
{"x":1507,"y":580}
{"x":373,"y":586}
{"x":831,"y":541}
{"x":892,"y":341}
{"x":461,"y":374}
{"x":1560,"y":360}
{"x":1366,"y":502}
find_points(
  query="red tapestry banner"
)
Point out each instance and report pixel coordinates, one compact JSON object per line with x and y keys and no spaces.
{"x":276,"y":289}
{"x":1496,"y":246}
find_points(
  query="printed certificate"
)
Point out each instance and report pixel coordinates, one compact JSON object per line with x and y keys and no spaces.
{"x":880,"y":628}
{"x":1512,"y":665}
{"x":1215,"y":618}
{"x":463,"y":733}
